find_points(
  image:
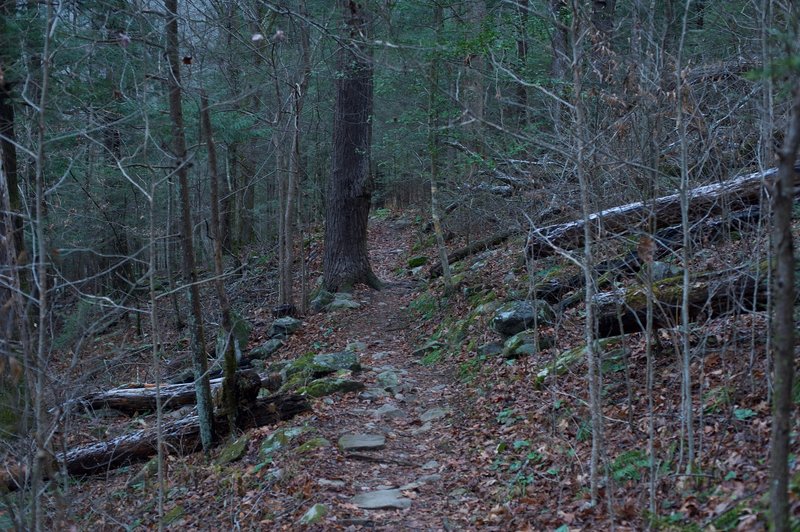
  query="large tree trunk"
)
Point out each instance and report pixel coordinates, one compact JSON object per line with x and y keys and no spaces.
{"x":346,"y":261}
{"x":707,"y":200}
{"x":199,"y":359}
{"x":182,"y":435}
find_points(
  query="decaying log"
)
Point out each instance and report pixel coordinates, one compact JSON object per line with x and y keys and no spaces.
{"x":669,"y":240}
{"x":181,"y":436}
{"x":436,"y":270}
{"x":710,"y":294}
{"x":143,"y":399}
{"x":709,"y":200}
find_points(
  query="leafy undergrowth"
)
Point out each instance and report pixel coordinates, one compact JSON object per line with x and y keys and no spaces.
{"x":514,"y":452}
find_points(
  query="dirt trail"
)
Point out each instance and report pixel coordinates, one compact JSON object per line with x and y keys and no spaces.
{"x":406,"y":402}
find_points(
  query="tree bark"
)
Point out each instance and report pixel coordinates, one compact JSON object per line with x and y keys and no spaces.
{"x":198,"y":343}
{"x":231,"y":349}
{"x":183,"y":435}
{"x":130,"y":401}
{"x":783,"y":320}
{"x":738,"y":192}
{"x":346,"y":261}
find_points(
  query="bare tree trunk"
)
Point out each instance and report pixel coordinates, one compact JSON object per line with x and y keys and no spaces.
{"x":783,"y":321}
{"x":346,"y":261}
{"x":199,"y":359}
{"x":435,"y":151}
{"x":687,"y":409}
{"x":39,"y":363}
{"x":583,"y":172}
{"x":231,"y":347}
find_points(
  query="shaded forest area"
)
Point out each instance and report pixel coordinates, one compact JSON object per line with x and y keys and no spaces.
{"x":213,"y":215}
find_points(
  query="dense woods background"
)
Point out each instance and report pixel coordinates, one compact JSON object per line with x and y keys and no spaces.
{"x":490,"y":117}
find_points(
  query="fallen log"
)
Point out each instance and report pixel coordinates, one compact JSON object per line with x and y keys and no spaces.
{"x":669,"y":240}
{"x":710,"y":294}
{"x":480,"y":245}
{"x":708,"y":200}
{"x":143,"y":398}
{"x":181,"y":436}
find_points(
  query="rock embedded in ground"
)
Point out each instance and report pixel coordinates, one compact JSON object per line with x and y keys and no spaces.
{"x":267,"y":349}
{"x":331,"y":483}
{"x":284,"y":326}
{"x":314,"y":514}
{"x":362,"y":442}
{"x":343,"y":300}
{"x":516,"y":316}
{"x":388,"y":380}
{"x":329,"y":386}
{"x":381,"y":500}
{"x":321,"y":301}
{"x":380,"y":355}
{"x":233,"y":451}
{"x":372,"y":394}
{"x":388,"y":411}
{"x":433,"y":414}
{"x":524,"y":344}
{"x":490,"y":349}
{"x":357,"y":347}
{"x":431,"y":464}
{"x":426,"y":427}
{"x":326,"y":363}
{"x":312,"y":445}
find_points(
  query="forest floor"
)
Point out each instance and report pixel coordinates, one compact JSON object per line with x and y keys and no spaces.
{"x":468,"y":442}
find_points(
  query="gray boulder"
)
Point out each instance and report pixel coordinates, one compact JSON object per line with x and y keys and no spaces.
{"x":267,"y":349}
{"x":516,"y":316}
{"x":343,"y":300}
{"x":284,"y":326}
{"x":327,"y":363}
{"x":321,"y":301}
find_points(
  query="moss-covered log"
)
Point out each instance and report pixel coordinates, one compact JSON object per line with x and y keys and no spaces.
{"x":181,"y":436}
{"x":710,"y":294}
{"x":709,"y":200}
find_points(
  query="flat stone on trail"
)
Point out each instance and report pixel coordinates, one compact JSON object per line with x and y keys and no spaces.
{"x":434,"y":414}
{"x":372,"y":394}
{"x":362,"y":442}
{"x":431,"y":464}
{"x":388,"y":411}
{"x":381,"y":499}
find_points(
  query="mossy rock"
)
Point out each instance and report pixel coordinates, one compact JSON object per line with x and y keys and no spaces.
{"x":234,"y":451}
{"x":173,"y":515}
{"x":321,"y":300}
{"x":312,"y":445}
{"x":267,"y":349}
{"x":327,"y":363}
{"x":280,"y":439}
{"x":516,"y":316}
{"x":524,"y":344}
{"x":343,"y":301}
{"x":568,"y":358}
{"x":415,"y":262}
{"x":329,"y":386}
{"x":314,"y":515}
{"x":490,"y":349}
{"x":286,"y":325}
